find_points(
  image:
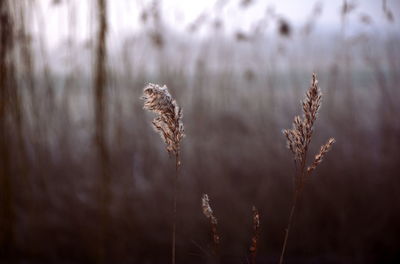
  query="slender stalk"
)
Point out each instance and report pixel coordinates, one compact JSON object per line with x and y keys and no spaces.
{"x":299,"y":174}
{"x":175,"y":194}
{"x":7,"y":212}
{"x":298,"y":140}
{"x":287,"y":230}
{"x":168,"y":124}
{"x":100,"y":110}
{"x":215,"y":239}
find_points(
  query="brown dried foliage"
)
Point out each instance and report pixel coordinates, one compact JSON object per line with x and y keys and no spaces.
{"x":319,"y":157}
{"x":298,"y":141}
{"x":208,"y":212}
{"x":256,"y":235}
{"x":299,"y":137}
{"x":168,"y":122}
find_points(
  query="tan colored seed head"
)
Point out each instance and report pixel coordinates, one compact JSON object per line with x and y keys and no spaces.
{"x":168,"y":122}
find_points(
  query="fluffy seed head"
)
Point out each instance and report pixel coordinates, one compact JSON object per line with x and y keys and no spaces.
{"x":256,"y":232}
{"x":320,"y":156}
{"x":256,"y":218}
{"x":168,"y":122}
{"x":311,"y":105}
{"x":207,"y":211}
{"x":299,"y":137}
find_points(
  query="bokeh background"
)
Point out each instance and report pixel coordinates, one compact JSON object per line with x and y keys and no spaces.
{"x":85,"y":179}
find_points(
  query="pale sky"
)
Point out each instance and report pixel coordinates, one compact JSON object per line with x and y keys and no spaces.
{"x":51,"y":21}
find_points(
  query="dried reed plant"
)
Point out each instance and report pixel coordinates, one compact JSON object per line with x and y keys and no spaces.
{"x":208,"y":212}
{"x":256,"y":235}
{"x":298,"y":141}
{"x":168,"y":123}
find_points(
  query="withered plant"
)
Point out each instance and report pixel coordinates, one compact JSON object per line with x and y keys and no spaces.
{"x":208,"y":212}
{"x":298,"y":141}
{"x":256,"y":235}
{"x":168,"y":123}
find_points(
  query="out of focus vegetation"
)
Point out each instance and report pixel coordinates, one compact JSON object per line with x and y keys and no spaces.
{"x":83,"y":179}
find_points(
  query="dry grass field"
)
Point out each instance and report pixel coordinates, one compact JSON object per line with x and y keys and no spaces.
{"x":85,"y":179}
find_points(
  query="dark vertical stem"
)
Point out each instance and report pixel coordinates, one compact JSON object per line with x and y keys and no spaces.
{"x":215,"y":258}
{"x":300,"y":176}
{"x":6,"y":194}
{"x":287,"y":230}
{"x":174,"y":211}
{"x":215,"y":238}
{"x":26,"y":52}
{"x":100,"y":120}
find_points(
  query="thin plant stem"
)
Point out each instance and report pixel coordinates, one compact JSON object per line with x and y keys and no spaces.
{"x":175,"y":194}
{"x":287,"y":230}
{"x":298,"y":140}
{"x":299,"y":174}
{"x":168,"y":124}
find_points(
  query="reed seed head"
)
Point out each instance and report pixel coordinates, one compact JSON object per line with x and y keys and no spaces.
{"x":321,"y":154}
{"x":299,"y":137}
{"x":256,"y":233}
{"x":207,"y":211}
{"x":256,"y":218}
{"x":168,"y":122}
{"x":311,"y":105}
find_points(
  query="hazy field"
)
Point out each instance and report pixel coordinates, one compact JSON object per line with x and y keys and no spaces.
{"x":85,"y":179}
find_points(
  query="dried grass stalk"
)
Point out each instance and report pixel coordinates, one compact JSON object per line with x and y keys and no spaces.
{"x":208,"y":212}
{"x":256,"y":235}
{"x":298,"y":141}
{"x":299,"y":136}
{"x":168,"y":123}
{"x":321,"y":154}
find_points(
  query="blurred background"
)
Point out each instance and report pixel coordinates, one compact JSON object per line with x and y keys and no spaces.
{"x":85,"y":179}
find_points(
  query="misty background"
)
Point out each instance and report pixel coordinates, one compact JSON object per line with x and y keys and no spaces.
{"x":85,"y":179}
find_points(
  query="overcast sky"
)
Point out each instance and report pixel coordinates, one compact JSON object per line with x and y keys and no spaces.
{"x":124,"y":16}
